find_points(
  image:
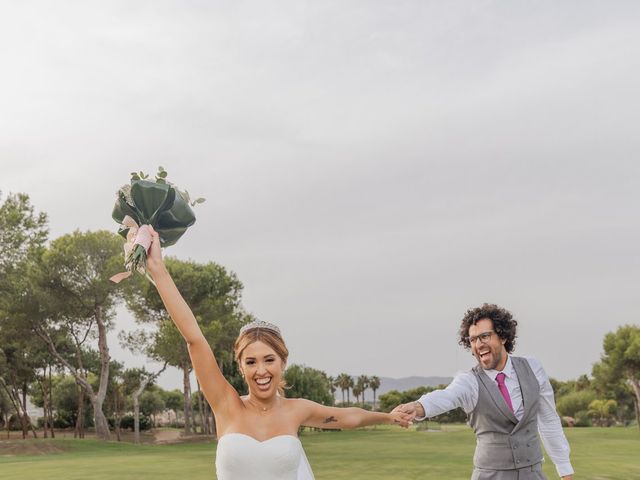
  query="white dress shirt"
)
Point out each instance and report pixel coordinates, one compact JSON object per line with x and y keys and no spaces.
{"x":463,"y":392}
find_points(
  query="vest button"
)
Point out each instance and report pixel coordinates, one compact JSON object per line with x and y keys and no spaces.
{"x":517,"y":461}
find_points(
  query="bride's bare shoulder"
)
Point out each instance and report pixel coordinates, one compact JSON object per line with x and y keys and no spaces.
{"x":298,"y":404}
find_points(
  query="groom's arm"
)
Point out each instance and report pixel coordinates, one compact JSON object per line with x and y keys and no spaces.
{"x":549,"y":425}
{"x":462,"y":392}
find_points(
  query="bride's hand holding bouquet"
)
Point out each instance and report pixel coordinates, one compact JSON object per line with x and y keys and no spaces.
{"x":144,"y":206}
{"x":155,"y":262}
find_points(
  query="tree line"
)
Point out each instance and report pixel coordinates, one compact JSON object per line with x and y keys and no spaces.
{"x":57,"y":305}
{"x":344,"y":382}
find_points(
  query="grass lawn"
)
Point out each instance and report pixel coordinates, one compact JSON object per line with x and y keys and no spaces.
{"x":380,"y":453}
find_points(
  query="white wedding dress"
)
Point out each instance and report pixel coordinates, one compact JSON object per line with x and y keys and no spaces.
{"x":242,"y":457}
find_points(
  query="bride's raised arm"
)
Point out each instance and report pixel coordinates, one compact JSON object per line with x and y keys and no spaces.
{"x":214,"y":386}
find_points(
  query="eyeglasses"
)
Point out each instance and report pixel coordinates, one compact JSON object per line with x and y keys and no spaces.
{"x":484,"y":337}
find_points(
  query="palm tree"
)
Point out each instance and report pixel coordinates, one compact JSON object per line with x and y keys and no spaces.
{"x":332,"y":386}
{"x":357,"y":390}
{"x":344,"y":382}
{"x":374,"y":384}
{"x":336,"y":383}
{"x":351,"y":384}
{"x":362,"y":383}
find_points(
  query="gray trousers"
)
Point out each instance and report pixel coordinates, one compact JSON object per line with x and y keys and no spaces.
{"x":534,"y":472}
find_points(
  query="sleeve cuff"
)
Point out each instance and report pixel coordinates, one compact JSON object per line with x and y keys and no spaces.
{"x":564,"y":468}
{"x":420,"y":419}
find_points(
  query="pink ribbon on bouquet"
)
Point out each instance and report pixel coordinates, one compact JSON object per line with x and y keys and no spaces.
{"x":135,"y":236}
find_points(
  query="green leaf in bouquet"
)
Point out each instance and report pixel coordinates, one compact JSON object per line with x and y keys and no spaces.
{"x":122,"y":209}
{"x":198,"y":200}
{"x":170,"y":236}
{"x":137,"y":259}
{"x":172,"y":223}
{"x":151,"y":199}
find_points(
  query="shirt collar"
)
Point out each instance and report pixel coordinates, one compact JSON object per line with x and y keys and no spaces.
{"x":508,"y":370}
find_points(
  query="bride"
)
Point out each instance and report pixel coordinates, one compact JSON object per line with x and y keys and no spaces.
{"x":257,"y":433}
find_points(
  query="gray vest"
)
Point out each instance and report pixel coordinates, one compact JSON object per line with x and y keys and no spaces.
{"x":503,"y":442}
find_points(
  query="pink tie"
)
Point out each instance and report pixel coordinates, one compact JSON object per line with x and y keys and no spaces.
{"x":503,"y":390}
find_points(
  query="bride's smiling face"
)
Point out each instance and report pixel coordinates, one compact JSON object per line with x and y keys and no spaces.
{"x":262,"y":369}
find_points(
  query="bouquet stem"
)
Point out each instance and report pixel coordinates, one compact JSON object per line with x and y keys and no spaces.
{"x":137,"y":259}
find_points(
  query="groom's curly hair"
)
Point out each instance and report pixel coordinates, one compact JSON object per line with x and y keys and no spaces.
{"x":503,"y":323}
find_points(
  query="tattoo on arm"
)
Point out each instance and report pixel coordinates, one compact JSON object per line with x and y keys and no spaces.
{"x":330,"y":419}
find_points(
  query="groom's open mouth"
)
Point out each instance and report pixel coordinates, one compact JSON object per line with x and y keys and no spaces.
{"x":484,"y":355}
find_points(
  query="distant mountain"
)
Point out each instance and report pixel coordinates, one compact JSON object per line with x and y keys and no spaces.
{"x":408,"y":383}
{"x":401,"y":384}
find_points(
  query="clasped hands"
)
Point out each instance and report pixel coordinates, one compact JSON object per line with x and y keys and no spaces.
{"x":412,"y":409}
{"x":405,"y":413}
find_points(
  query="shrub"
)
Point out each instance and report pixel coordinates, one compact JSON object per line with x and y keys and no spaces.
{"x":128,"y":422}
{"x":582,"y":419}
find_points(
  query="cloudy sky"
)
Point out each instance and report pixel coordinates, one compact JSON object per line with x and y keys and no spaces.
{"x":372,"y":168}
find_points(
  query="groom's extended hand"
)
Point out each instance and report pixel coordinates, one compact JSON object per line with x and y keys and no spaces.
{"x":415,"y":409}
{"x":402,"y":419}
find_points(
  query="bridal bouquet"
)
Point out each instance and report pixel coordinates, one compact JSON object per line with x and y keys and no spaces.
{"x":145,"y":203}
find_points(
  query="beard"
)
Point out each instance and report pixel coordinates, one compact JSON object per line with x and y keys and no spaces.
{"x":491,"y":361}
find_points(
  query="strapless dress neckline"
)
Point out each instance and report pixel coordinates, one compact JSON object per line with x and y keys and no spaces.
{"x":242,"y":457}
{"x":256,"y":440}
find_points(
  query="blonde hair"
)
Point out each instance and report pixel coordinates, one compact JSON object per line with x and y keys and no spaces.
{"x":268,"y":337}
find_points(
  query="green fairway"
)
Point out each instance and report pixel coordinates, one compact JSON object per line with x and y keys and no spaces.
{"x":381,"y":453}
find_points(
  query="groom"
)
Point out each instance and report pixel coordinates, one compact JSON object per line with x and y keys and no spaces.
{"x":508,"y":399}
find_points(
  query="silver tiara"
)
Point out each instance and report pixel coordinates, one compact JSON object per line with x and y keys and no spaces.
{"x":260,"y":324}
